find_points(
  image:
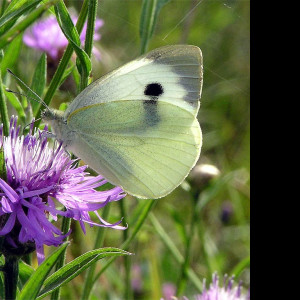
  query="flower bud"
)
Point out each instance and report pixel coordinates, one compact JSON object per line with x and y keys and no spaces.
{"x":202,"y":174}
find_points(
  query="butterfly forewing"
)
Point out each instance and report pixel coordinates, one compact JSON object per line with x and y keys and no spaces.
{"x":147,"y":161}
{"x":179,"y":68}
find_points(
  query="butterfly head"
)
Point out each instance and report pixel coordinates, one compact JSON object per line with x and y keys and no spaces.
{"x":52,"y":115}
{"x":58,"y":124}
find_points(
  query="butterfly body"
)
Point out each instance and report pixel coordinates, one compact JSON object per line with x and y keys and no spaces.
{"x":137,"y":126}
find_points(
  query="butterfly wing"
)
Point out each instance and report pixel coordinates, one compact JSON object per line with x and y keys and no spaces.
{"x":137,"y":126}
{"x":178,"y":67}
{"x":147,"y":161}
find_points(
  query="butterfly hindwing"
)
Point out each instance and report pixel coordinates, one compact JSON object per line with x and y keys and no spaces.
{"x":148,"y":161}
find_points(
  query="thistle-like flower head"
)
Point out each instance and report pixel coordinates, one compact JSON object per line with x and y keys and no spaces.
{"x":42,"y":183}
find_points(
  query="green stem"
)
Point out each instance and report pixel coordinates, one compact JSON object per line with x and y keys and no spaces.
{"x":147,"y":19}
{"x":11,"y":273}
{"x":147,"y":209}
{"x":27,"y":258}
{"x":89,"y":283}
{"x":3,"y":7}
{"x":183,"y":273}
{"x":89,"y":37}
{"x":3,"y":110}
{"x":22,"y":25}
{"x":174,"y":251}
{"x":205,"y":255}
{"x":65,"y":227}
{"x":55,"y":82}
{"x":127,"y":261}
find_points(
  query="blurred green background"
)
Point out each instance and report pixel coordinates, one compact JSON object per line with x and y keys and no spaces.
{"x":221,"y":237}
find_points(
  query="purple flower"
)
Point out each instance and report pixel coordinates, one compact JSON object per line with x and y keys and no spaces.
{"x":226,"y":212}
{"x":215,"y":292}
{"x":227,"y":292}
{"x":136,"y":278}
{"x":168,"y":291}
{"x":47,"y":36}
{"x":42,"y":182}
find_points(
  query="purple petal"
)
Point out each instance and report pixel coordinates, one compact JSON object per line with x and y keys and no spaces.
{"x":10,"y":193}
{"x":9,"y":224}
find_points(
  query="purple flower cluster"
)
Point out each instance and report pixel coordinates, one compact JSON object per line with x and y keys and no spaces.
{"x":215,"y":292}
{"x":42,"y":183}
{"x":46,"y":36}
{"x":227,"y":292}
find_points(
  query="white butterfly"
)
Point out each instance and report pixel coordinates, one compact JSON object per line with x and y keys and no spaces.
{"x":137,"y":126}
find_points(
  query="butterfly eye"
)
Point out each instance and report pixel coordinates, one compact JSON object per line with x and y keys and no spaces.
{"x":154,"y":89}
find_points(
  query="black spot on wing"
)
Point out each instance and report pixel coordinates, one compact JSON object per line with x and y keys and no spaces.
{"x":152,"y":91}
{"x":151,"y":112}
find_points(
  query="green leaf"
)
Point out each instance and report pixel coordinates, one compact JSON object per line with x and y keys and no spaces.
{"x":67,"y":73}
{"x":15,"y":5}
{"x":2,"y":289}
{"x":60,"y":71}
{"x":63,"y":106}
{"x":179,"y":224}
{"x":174,"y":251}
{"x":21,"y":106}
{"x":149,"y":14}
{"x":12,"y":32}
{"x":25,"y":272}
{"x":240,"y":267}
{"x":75,"y":267}
{"x":145,"y":210}
{"x":15,"y":102}
{"x":211,"y":191}
{"x":14,"y":11}
{"x":2,"y":165}
{"x":71,"y":33}
{"x":11,"y":54}
{"x":27,"y":92}
{"x":39,"y":82}
{"x":3,"y":109}
{"x":35,"y":282}
{"x":89,"y":38}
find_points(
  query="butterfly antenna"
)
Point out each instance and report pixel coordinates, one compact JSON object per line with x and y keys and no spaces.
{"x":31,"y":123}
{"x":23,"y":84}
{"x":20,"y":94}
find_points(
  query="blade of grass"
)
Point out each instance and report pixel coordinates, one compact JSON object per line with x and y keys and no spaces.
{"x":15,"y":5}
{"x":12,"y":13}
{"x":60,"y":71}
{"x":12,"y":33}
{"x":174,"y":251}
{"x":148,"y":19}
{"x":65,"y":227}
{"x":89,"y":38}
{"x":15,"y":102}
{"x":39,"y":82}
{"x":3,"y":173}
{"x":185,"y":265}
{"x":73,"y":37}
{"x":2,"y":9}
{"x":127,"y":263}
{"x":144,"y":214}
{"x":25,"y":272}
{"x":88,"y":282}
{"x":11,"y":54}
{"x":3,"y":109}
{"x":75,"y":267}
{"x":34,"y":284}
{"x":240,"y":267}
